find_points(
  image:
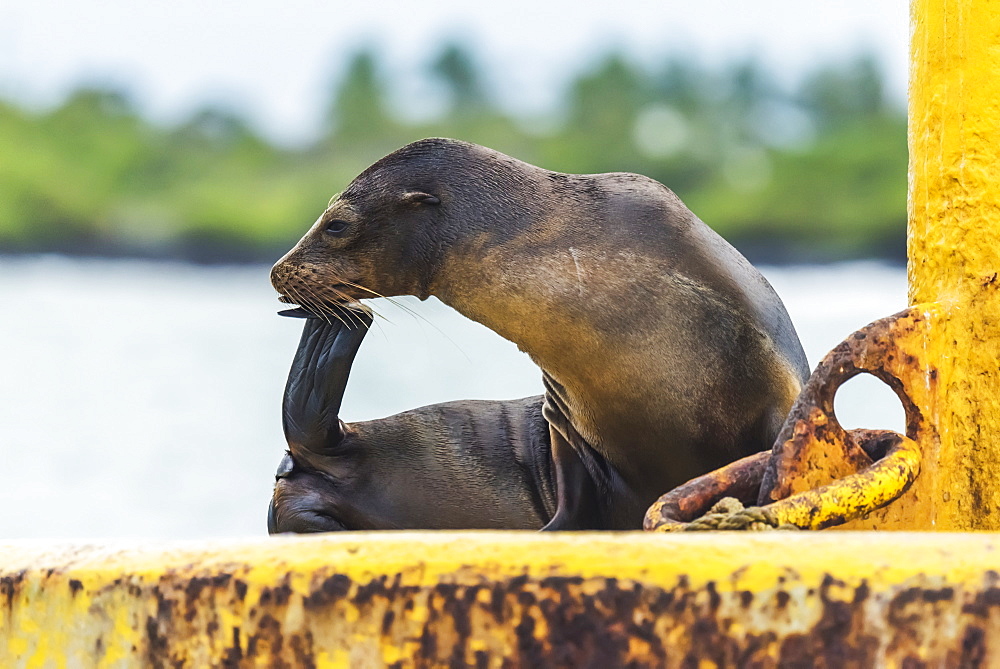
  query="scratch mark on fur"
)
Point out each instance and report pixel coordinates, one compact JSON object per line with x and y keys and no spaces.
{"x":579,"y":272}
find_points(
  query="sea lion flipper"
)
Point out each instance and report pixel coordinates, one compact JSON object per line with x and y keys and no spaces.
{"x":576,"y":492}
{"x":576,"y":498}
{"x":317,"y":380}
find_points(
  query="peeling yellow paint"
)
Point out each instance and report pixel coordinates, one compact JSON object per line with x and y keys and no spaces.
{"x":468,"y":597}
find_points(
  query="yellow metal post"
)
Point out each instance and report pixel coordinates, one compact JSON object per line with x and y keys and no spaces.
{"x":954,"y":258}
{"x":954,"y":252}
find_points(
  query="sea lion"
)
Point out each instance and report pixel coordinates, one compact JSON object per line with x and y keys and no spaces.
{"x":479,"y":464}
{"x":664,"y":353}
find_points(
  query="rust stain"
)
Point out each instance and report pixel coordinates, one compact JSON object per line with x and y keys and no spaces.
{"x":739,"y":480}
{"x":513,"y":600}
{"x":553,"y":621}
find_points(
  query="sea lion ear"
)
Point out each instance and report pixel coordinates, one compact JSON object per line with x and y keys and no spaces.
{"x":418,"y":197}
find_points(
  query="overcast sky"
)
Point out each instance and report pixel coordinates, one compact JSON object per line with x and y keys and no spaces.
{"x":277,"y":60}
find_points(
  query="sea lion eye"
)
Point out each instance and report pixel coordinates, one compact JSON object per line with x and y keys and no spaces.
{"x":336,"y":227}
{"x":422,"y":198}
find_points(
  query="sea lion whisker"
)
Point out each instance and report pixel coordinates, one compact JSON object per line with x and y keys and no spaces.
{"x":412,"y":312}
{"x":390,"y":300}
{"x":356,"y":306}
{"x":293,"y":296}
{"x":339,"y":295}
{"x":307,"y":297}
{"x":365,"y":288}
{"x":381,"y":330}
{"x":347,"y":315}
{"x":328,"y":314}
{"x":350,"y":307}
{"x":317,"y":307}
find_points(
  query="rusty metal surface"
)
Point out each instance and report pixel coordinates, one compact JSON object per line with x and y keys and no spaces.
{"x":819,"y":474}
{"x":739,"y":481}
{"x":813,"y":449}
{"x":514,"y":599}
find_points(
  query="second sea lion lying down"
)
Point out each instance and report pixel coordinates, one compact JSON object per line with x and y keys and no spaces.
{"x":664,"y":353}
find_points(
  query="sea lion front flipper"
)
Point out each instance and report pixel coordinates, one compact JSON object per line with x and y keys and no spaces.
{"x":576,"y":501}
{"x":576,"y":493}
{"x":310,"y":412}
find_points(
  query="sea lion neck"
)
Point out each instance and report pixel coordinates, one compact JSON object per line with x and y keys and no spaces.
{"x":490,"y":284}
{"x":547,"y":269}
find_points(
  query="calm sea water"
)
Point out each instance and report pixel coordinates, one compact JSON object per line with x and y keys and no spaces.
{"x":142,"y":399}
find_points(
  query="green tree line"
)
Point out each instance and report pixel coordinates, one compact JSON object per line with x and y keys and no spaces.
{"x":814,"y":172}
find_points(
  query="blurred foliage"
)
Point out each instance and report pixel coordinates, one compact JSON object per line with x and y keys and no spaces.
{"x":818,"y":172}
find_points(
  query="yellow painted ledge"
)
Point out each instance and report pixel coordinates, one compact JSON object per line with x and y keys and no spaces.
{"x":497,"y":599}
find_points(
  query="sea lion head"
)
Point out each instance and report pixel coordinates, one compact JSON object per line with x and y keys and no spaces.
{"x":303,"y":501}
{"x":382,"y":236}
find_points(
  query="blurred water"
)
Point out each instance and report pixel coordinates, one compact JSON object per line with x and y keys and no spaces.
{"x":142,"y":399}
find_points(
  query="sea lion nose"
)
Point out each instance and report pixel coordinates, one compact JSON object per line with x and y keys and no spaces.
{"x":284,"y":269}
{"x":278,"y":273}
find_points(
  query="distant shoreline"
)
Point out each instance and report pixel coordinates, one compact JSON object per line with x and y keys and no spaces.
{"x":207,"y":253}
